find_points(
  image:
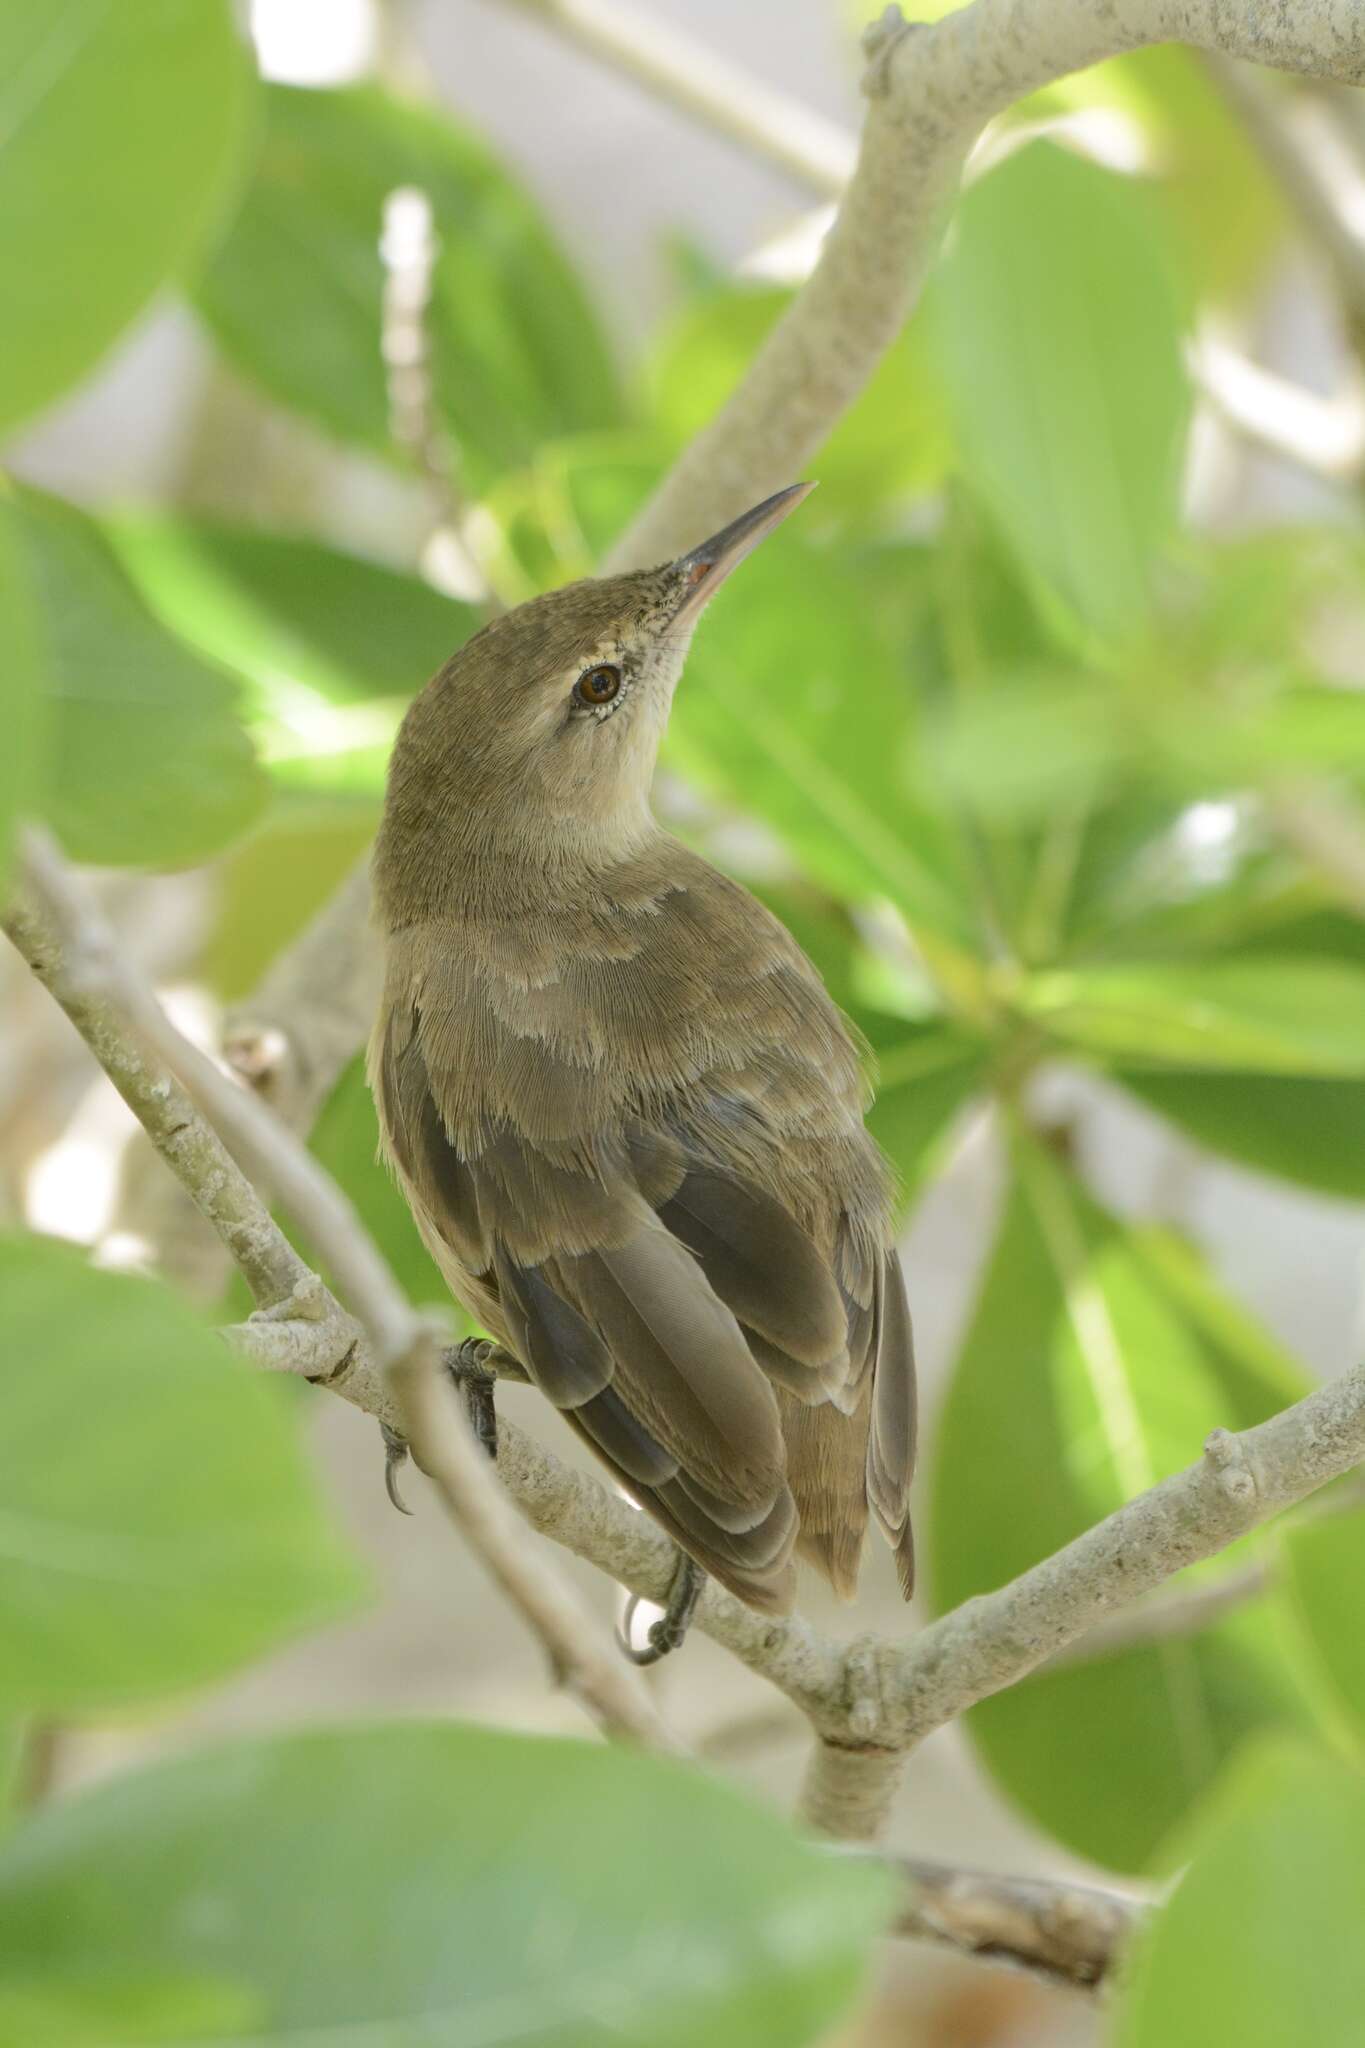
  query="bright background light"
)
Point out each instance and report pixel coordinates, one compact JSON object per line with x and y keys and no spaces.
{"x":314,"y":42}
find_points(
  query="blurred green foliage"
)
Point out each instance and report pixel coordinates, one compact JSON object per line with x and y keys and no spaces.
{"x":133,"y":1565}
{"x":1004,"y":740}
{"x":444,"y":1884}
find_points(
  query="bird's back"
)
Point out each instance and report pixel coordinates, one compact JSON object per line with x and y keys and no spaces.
{"x":630,"y":1123}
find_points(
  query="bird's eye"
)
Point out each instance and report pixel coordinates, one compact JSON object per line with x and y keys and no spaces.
{"x":598,"y":685}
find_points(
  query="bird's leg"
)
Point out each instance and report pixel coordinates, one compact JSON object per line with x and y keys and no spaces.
{"x":475,"y":1376}
{"x":667,"y":1633}
{"x":475,"y":1366}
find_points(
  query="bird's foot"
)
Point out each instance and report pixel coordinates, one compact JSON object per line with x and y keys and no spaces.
{"x":668,"y":1632}
{"x":475,"y":1366}
{"x":470,"y":1367}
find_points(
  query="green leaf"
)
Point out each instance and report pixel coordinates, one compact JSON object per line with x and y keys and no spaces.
{"x":1323,"y":1556}
{"x":891,"y":444}
{"x":1056,"y":332}
{"x":25,"y":679}
{"x":1255,"y":1375}
{"x":925,"y":1077}
{"x":446,"y":1886}
{"x":128,"y":2012}
{"x":1226,"y":211}
{"x":553,"y":521}
{"x":1288,"y":1016}
{"x":159,"y":1525}
{"x":346,"y":1140}
{"x":123,"y":132}
{"x":1298,"y":1128}
{"x":793,"y":707}
{"x":272,"y":882}
{"x":294,"y":291}
{"x":1022,"y":745}
{"x":329,"y":646}
{"x":149,"y":764}
{"x":14,"y":1740}
{"x":1097,"y":1363}
{"x":1260,"y":1943}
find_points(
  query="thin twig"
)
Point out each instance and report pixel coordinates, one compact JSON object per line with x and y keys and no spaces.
{"x":594,"y":1522}
{"x":97,"y":965}
{"x":1316,"y":167}
{"x":1323,"y":436}
{"x":1242,"y":1480}
{"x":457,"y":1466}
{"x":688,"y":75}
{"x":408,"y":249}
{"x":194,"y":1152}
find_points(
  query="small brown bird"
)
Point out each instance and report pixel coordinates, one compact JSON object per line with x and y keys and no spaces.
{"x":626,"y":1115}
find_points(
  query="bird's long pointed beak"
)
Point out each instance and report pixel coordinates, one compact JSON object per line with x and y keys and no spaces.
{"x":704,"y":569}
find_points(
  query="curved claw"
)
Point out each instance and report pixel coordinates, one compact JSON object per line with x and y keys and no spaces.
{"x":670,"y":1630}
{"x":395,"y":1456}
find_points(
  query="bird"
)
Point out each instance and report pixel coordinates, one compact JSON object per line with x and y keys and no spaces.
{"x":626,"y":1115}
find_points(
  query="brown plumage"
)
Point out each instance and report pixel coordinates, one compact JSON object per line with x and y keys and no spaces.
{"x":625,"y":1113}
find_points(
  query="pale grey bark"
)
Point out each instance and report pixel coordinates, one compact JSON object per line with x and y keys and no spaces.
{"x":1069,"y":1934}
{"x":188,"y":1109}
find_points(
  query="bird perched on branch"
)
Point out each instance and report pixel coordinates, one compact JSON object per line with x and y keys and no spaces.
{"x":626,"y":1115}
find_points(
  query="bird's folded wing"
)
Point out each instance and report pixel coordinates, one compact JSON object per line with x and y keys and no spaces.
{"x":891,"y":1439}
{"x":629,"y":1329}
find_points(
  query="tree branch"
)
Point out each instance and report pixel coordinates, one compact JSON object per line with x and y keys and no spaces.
{"x":995,"y":1640}
{"x":1170,"y":1618}
{"x":195,"y":1154}
{"x":458,"y":1468}
{"x":1067,"y":1934}
{"x":873,"y":1696}
{"x":593,"y":1521}
{"x":931,"y":90}
{"x":876,"y":1695}
{"x":849,"y":1788}
{"x":392,"y":1357}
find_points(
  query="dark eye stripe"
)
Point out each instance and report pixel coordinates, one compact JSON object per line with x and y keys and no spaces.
{"x":598,"y":685}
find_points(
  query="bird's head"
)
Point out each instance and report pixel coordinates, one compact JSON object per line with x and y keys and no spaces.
{"x":546,"y":725}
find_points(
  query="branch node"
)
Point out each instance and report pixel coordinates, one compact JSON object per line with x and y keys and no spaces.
{"x":307,"y":1301}
{"x":1226,"y":1458}
{"x":256,"y":1053}
{"x":880,"y":40}
{"x":864,"y":1696}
